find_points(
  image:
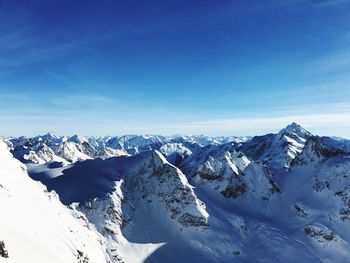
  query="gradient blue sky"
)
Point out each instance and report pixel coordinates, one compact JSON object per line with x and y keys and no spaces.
{"x":174,"y":67}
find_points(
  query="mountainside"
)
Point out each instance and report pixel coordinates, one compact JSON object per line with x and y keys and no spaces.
{"x":115,"y":191}
{"x":277,"y":149}
{"x":34,"y":225}
{"x":280,"y":197}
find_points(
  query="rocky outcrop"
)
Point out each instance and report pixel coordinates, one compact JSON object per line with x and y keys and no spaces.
{"x":320,"y":234}
{"x":156,"y":180}
{"x":344,"y":194}
{"x":3,"y":252}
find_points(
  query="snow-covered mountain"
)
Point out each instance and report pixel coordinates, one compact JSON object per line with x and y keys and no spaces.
{"x":277,"y":149}
{"x":119,"y":195}
{"x":35,"y":226}
{"x":53,"y":148}
{"x":280,"y":197}
{"x":229,"y":172}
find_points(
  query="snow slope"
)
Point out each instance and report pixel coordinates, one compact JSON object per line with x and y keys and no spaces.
{"x":277,"y":149}
{"x":35,"y":226}
{"x":130,"y":200}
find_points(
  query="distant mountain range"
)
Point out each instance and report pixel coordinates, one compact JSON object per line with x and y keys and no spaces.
{"x":54,"y":148}
{"x":281,"y":197}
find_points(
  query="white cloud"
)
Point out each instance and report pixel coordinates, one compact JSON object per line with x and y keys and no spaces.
{"x":245,"y":124}
{"x":321,"y":124}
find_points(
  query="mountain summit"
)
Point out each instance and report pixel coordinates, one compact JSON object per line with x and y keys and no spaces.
{"x":280,"y":149}
{"x":295,"y":128}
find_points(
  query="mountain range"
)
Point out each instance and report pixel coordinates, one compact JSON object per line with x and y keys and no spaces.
{"x":282,"y":197}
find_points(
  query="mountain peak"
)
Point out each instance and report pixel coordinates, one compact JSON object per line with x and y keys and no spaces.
{"x":296,"y":128}
{"x":51,"y":135}
{"x":159,"y":156}
{"x":78,"y":139}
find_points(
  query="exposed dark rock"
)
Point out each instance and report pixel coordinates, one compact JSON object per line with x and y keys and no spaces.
{"x":317,"y":149}
{"x":191,"y":220}
{"x":319,"y":186}
{"x":319,"y":233}
{"x":300,"y":211}
{"x":234,"y":191}
{"x":81,"y":257}
{"x":3,"y":251}
{"x":345,"y":196}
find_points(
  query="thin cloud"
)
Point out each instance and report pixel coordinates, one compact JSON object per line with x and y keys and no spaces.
{"x":327,"y":3}
{"x":336,"y":61}
{"x":338,"y":107}
{"x":313,"y":120}
{"x":316,"y":3}
{"x":339,"y":122}
{"x":334,"y":123}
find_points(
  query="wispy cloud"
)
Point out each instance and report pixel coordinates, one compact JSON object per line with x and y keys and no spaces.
{"x":324,"y":119}
{"x":32,"y":54}
{"x":317,"y":3}
{"x":22,"y":45}
{"x":332,"y":62}
{"x":324,"y":108}
{"x":327,"y":3}
{"x":10,"y":41}
{"x":246,"y":124}
{"x":336,"y":124}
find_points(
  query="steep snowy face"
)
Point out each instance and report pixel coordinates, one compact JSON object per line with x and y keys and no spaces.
{"x":319,"y":185}
{"x":84,"y":145}
{"x":98,"y":142}
{"x":42,"y":154}
{"x":145,"y":178}
{"x":177,"y":152}
{"x":333,"y":179}
{"x":106,"y":215}
{"x":49,"y":148}
{"x":134,"y":144}
{"x":260,"y":182}
{"x":35,"y":225}
{"x":72,"y":152}
{"x":105,"y":212}
{"x":140,"y":198}
{"x":49,"y":138}
{"x":279,"y":150}
{"x":340,"y":143}
{"x":106,"y":152}
{"x":203,"y":140}
{"x":154,"y":180}
{"x":53,"y":148}
{"x":35,"y":150}
{"x":318,"y":149}
{"x":79,"y":139}
{"x":230,"y":173}
{"x":296,"y":130}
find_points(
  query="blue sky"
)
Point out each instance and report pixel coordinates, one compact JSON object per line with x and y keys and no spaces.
{"x":174,"y":67}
